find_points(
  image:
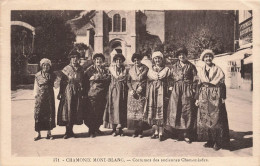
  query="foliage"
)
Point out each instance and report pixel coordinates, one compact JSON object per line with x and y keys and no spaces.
{"x":200,"y":29}
{"x":201,"y":39}
{"x":149,"y":43}
{"x":85,"y":17}
{"x":81,"y":48}
{"x":54,"y":38}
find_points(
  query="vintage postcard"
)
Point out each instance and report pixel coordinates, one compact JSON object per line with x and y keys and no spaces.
{"x":162,"y":82}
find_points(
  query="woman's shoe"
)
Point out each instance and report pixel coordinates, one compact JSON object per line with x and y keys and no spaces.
{"x":66,"y":136}
{"x":120,"y":132}
{"x":113,"y":133}
{"x":216,"y":147}
{"x":92,"y":135}
{"x":134,"y":135}
{"x":208,"y":145}
{"x":140,"y":134}
{"x":50,"y":137}
{"x":187,"y":140}
{"x":161,"y":138}
{"x":37,"y":138}
{"x":72,"y":135}
{"x":154,"y":136}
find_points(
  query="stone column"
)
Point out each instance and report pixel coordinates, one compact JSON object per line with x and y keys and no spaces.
{"x":131,"y":29}
{"x":98,"y":41}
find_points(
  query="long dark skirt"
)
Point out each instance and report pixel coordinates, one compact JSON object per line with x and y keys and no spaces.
{"x":44,"y":111}
{"x":181,"y":107}
{"x":95,"y":111}
{"x":212,"y":121}
{"x":70,"y":111}
{"x":116,"y":107}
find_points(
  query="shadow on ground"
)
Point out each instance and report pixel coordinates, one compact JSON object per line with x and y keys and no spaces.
{"x":146,"y":133}
{"x":240,"y":140}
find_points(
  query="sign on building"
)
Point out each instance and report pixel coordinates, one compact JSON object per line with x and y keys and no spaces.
{"x":246,"y":31}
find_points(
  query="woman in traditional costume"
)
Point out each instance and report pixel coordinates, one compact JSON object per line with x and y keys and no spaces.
{"x":136,"y":95}
{"x":212,"y":121}
{"x":180,"y":112}
{"x":156,"y":95}
{"x":116,"y":108}
{"x":70,"y":111}
{"x":44,"y":110}
{"x":98,"y":78}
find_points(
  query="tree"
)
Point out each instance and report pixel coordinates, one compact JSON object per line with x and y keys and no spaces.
{"x":200,"y":29}
{"x":81,"y":48}
{"x":202,"y":39}
{"x":54,"y":38}
{"x":149,"y":43}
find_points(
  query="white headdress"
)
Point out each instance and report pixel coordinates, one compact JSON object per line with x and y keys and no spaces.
{"x":45,"y":60}
{"x":207,"y":51}
{"x":157,"y":53}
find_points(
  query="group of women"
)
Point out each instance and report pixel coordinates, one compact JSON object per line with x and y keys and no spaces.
{"x":178,"y":98}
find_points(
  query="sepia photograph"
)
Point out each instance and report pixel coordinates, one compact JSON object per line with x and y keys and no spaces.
{"x":137,"y":87}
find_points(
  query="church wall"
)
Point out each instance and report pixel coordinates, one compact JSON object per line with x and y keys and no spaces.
{"x":82,"y":39}
{"x":127,"y":38}
{"x":131,"y":47}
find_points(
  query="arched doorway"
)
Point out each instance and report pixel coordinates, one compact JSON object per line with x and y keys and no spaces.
{"x":27,"y":26}
{"x":24,"y":63}
{"x":116,"y":46}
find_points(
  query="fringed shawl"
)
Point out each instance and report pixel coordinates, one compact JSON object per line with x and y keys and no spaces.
{"x":138,"y":73}
{"x":153,"y":75}
{"x":101,"y":73}
{"x":216,"y":75}
{"x":113,"y":70}
{"x":42,"y":78}
{"x":70,"y":71}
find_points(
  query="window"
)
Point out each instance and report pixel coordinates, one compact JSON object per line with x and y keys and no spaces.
{"x":116,"y":23}
{"x":109,"y":24}
{"x":123,"y":24}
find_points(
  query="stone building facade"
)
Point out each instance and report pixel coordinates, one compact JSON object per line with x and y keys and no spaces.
{"x":124,"y":31}
{"x":143,"y":31}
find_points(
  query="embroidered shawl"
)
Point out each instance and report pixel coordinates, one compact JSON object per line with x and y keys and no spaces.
{"x":153,"y":75}
{"x":101,"y":73}
{"x":216,"y":75}
{"x":137,"y":73}
{"x":72,"y":72}
{"x":113,"y":70}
